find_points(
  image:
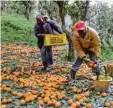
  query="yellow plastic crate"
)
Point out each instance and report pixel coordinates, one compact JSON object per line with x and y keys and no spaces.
{"x":54,"y":40}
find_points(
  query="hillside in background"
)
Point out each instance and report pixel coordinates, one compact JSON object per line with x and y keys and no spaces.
{"x":17,"y":29}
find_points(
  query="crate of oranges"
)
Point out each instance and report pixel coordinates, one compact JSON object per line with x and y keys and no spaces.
{"x":54,"y":40}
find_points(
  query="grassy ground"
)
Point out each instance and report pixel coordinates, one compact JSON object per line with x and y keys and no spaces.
{"x":17,"y":29}
{"x":22,"y":85}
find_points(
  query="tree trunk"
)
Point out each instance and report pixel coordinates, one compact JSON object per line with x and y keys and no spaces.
{"x":26,"y":14}
{"x":68,"y":34}
{"x":71,"y":53}
{"x":86,"y":10}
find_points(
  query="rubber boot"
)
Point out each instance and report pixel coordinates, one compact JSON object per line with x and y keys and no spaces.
{"x":72,"y":73}
{"x":72,"y":80}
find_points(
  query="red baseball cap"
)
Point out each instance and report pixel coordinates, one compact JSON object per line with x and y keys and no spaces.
{"x":80,"y":25}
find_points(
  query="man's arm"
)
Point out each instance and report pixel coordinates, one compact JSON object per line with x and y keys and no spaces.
{"x":37,"y":34}
{"x":55,"y":26}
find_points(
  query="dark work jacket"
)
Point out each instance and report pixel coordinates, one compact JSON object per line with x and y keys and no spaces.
{"x":47,"y":28}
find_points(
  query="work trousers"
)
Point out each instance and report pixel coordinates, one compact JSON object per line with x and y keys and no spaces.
{"x":46,"y":56}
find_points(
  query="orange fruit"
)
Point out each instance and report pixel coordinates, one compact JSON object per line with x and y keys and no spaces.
{"x":21,"y":85}
{"x":27,"y":100}
{"x":70,"y":101}
{"x":49,"y":103}
{"x":57,"y":104}
{"x":107,"y":104}
{"x":46,"y":99}
{"x":4,"y":101}
{"x":95,"y":65}
{"x":87,"y":94}
{"x":85,"y":99}
{"x":42,"y":95}
{"x":9,"y":100}
{"x":33,"y":87}
{"x":98,"y":93}
{"x":34,"y":92}
{"x":53,"y":101}
{"x":19,"y":95}
{"x":111,"y":103}
{"x":22,"y":102}
{"x":53,"y":97}
{"x":88,"y":105}
{"x":92,"y":87}
{"x":104,"y":94}
{"x":78,"y":91}
{"x":90,"y":65}
{"x":3,"y":106}
{"x":78,"y":97}
{"x":82,"y":95}
{"x":77,"y":104}
{"x":81,"y":101}
{"x":39,"y":98}
{"x":73,"y":105}
{"x":59,"y":96}
{"x":8,"y":90}
{"x":41,"y":102}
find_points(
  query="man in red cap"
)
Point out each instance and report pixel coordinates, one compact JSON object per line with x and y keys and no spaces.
{"x":86,"y":42}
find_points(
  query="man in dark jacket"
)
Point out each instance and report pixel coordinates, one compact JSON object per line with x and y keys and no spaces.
{"x":45,"y":27}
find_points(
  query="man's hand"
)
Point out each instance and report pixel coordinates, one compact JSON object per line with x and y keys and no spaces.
{"x":90,"y":63}
{"x":40,"y":35}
